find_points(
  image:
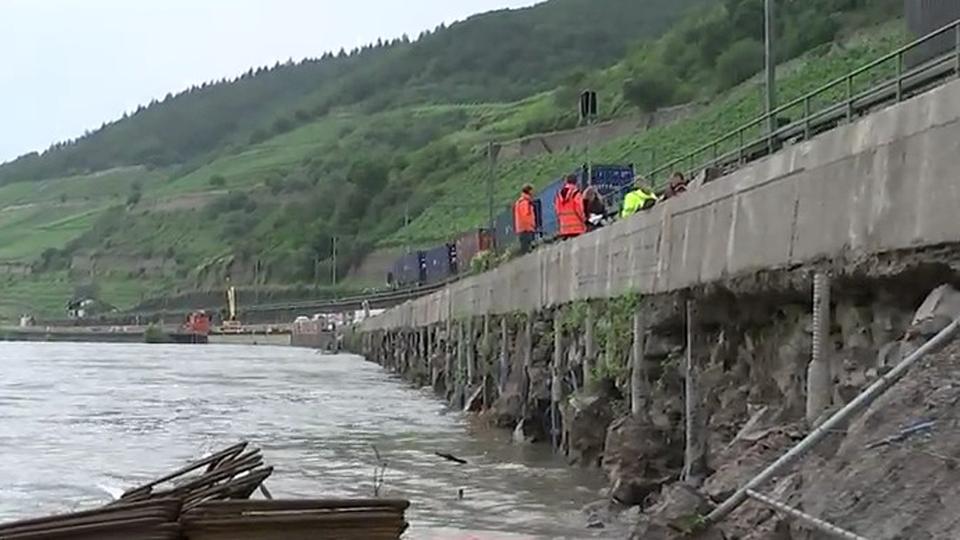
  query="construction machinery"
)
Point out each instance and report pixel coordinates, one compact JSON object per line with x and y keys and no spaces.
{"x":231,"y":324}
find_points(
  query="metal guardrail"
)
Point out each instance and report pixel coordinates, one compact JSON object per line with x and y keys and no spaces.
{"x":839,"y":100}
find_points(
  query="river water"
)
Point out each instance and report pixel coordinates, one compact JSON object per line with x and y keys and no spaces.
{"x":79,"y":421}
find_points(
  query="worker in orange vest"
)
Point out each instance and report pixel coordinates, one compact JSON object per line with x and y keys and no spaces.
{"x":569,"y":207}
{"x":525,"y":219}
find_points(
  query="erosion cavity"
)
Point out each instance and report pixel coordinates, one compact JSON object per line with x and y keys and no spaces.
{"x":603,"y":381}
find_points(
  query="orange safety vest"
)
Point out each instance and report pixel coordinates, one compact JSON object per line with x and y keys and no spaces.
{"x":524,"y":218}
{"x":570,"y":215}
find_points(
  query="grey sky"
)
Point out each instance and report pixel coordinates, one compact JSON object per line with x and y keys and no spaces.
{"x":69,"y":65}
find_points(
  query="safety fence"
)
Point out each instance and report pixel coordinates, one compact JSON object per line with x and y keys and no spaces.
{"x":879,"y":83}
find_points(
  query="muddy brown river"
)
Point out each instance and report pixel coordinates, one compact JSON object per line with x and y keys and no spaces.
{"x":79,"y":422}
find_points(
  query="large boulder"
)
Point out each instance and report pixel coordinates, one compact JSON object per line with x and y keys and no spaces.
{"x":507,"y":410}
{"x":638,"y":459}
{"x":937,"y":311}
{"x":586,"y":418}
{"x":677,"y":514}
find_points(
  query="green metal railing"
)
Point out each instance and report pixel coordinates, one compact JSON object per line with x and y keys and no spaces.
{"x":837,"y":101}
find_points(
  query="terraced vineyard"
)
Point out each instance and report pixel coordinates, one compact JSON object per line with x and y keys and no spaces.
{"x":396,"y":165}
{"x":724,"y":114}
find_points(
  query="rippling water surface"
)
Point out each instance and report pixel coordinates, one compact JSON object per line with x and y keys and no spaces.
{"x":80,"y":420}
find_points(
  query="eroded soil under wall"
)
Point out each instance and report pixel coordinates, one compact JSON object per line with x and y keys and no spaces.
{"x":752,"y":339}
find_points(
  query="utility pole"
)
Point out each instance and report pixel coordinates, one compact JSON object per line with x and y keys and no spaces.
{"x":256,"y":282}
{"x":493,"y":150}
{"x":333,"y":270}
{"x":589,"y":108}
{"x":770,"y":11}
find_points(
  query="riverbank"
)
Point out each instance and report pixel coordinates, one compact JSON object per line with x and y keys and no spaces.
{"x":603,"y":382}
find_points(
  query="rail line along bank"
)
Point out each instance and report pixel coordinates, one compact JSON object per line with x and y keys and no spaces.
{"x":447,"y":261}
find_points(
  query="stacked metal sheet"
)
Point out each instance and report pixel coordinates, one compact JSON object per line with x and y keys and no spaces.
{"x":296,"y":520}
{"x":233,"y":473}
{"x":207,"y":500}
{"x":149,"y":520}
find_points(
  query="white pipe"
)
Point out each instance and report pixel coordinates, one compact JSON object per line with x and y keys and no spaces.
{"x":814,"y":522}
{"x":864,"y":399}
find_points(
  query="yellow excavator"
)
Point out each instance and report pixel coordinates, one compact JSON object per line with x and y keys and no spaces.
{"x":231,"y":324}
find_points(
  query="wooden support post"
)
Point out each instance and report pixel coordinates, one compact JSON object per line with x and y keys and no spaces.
{"x":503,"y":373}
{"x":590,"y":357}
{"x":695,"y":447}
{"x":527,"y":358}
{"x":424,"y":353}
{"x":461,"y":367}
{"x":448,"y":378}
{"x":556,"y":380}
{"x":393,"y":353}
{"x":387,"y":348}
{"x":382,"y":347}
{"x":638,"y":393}
{"x":431,"y":350}
{"x":406,"y":348}
{"x":471,"y":358}
{"x":485,"y":360}
{"x":819,"y":378}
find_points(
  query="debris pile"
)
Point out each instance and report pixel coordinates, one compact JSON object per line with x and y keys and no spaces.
{"x":209,"y":500}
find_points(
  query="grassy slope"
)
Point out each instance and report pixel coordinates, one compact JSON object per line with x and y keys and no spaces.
{"x":59,"y":211}
{"x":39,"y":216}
{"x":719,"y":117}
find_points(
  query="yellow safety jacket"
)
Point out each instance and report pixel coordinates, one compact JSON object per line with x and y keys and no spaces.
{"x":635,"y":201}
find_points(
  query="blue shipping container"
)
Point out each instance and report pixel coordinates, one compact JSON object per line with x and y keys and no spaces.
{"x":440,"y":263}
{"x":409,"y":270}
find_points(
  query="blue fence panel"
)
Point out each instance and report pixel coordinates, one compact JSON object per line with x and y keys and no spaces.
{"x":610,"y":179}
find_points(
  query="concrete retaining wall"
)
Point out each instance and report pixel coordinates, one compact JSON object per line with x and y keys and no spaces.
{"x":887,"y":182}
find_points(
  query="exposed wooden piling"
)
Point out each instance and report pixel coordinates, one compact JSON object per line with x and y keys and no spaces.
{"x":556,"y":380}
{"x":448,"y":378}
{"x":590,"y":356}
{"x":819,"y":378}
{"x":638,"y":394}
{"x":504,"y":369}
{"x":485,"y":363}
{"x":695,"y":431}
{"x":471,"y":357}
{"x":527,"y":358}
{"x":458,"y":388}
{"x":431,"y":355}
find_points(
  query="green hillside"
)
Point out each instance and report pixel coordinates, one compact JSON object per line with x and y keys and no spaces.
{"x":254,"y":178}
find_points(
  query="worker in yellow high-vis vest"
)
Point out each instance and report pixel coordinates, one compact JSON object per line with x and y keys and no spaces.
{"x":641,"y":198}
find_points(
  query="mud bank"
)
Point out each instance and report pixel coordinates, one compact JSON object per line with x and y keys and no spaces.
{"x":605,"y":383}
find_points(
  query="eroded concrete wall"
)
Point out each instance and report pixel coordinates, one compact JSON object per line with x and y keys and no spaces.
{"x":884,"y":183}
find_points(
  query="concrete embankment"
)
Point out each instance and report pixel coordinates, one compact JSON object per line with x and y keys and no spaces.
{"x":685,"y":344}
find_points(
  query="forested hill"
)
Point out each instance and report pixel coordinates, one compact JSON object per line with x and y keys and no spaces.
{"x":369,"y":152}
{"x":496,"y":56}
